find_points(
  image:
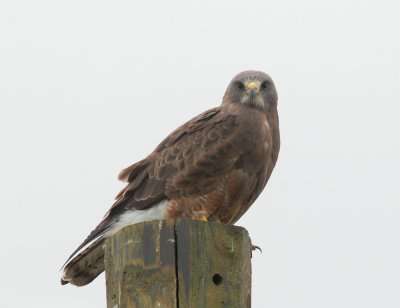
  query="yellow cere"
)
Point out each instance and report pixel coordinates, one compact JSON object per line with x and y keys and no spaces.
{"x":252,"y":85}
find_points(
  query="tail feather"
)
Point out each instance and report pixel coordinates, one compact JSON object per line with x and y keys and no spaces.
{"x":86,"y":266}
{"x":96,"y":233}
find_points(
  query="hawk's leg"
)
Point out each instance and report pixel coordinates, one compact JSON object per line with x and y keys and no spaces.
{"x":203,"y":216}
{"x":200,"y":215}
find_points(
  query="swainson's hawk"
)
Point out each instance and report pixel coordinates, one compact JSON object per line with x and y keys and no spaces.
{"x":211,"y":168}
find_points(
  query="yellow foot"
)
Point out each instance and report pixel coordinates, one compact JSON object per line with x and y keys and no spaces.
{"x":203,"y":217}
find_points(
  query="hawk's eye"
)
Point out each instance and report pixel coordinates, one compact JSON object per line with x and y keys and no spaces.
{"x":240,"y":86}
{"x":264,"y":85}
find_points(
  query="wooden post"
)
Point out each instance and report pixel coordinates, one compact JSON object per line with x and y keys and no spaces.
{"x":182,"y":263}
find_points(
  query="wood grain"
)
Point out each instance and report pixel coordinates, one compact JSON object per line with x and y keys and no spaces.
{"x":214,"y":268}
{"x":182,"y":263}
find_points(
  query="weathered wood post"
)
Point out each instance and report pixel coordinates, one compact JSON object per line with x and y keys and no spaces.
{"x":182,"y":263}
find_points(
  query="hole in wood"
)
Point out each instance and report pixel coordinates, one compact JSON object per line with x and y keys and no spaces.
{"x":217,"y":279}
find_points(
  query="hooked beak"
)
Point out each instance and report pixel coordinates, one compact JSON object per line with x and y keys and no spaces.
{"x":252,"y":95}
{"x":252,"y":87}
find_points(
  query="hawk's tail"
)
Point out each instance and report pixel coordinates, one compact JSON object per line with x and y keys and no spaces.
{"x":85,"y":266}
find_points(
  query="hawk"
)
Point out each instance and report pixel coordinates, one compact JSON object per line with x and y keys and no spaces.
{"x":211,"y":168}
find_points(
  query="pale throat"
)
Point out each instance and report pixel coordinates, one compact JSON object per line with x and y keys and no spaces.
{"x":257,"y":100}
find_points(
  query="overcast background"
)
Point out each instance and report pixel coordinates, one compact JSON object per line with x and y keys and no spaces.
{"x":89,"y":87}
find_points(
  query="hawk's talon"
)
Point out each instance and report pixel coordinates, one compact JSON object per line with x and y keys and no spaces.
{"x":254,"y":247}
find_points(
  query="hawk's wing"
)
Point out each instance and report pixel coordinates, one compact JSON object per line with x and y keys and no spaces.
{"x":197,"y":150}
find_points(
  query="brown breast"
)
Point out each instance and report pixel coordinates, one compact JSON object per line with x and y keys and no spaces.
{"x":254,"y":145}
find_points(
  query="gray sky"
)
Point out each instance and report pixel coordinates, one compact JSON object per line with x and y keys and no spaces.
{"x":89,"y":87}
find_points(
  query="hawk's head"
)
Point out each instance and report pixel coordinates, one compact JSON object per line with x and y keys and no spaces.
{"x":254,"y":89}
